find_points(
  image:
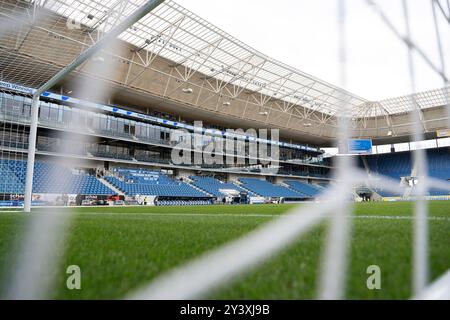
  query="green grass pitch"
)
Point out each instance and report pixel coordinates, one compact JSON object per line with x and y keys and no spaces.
{"x":121,"y":248}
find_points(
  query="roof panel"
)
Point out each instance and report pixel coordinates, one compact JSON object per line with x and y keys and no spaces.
{"x":181,"y":36}
{"x":404,"y":104}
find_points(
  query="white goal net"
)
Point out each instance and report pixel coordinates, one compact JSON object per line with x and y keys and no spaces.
{"x":28,"y":70}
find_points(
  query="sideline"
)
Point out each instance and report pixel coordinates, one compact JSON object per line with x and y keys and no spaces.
{"x":240,"y":215}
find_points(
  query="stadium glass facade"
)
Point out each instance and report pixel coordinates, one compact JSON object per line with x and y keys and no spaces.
{"x":109,"y":140}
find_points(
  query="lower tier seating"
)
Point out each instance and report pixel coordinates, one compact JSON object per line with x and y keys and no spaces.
{"x":400,"y":164}
{"x":306,"y":189}
{"x":267,"y":189}
{"x":48,"y":178}
{"x":213,"y":186}
{"x":145,"y":182}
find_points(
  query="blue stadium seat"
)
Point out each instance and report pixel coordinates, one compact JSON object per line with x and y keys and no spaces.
{"x":439,"y":168}
{"x":145,"y":182}
{"x":307,"y":189}
{"x":267,"y":189}
{"x":397,"y":165}
{"x":213,"y":186}
{"x":49,"y":178}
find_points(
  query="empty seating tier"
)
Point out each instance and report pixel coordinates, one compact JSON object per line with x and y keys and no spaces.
{"x":49,"y":178}
{"x":309,"y":190}
{"x":397,"y":165}
{"x":266,"y":189}
{"x":145,"y":182}
{"x":213,"y":186}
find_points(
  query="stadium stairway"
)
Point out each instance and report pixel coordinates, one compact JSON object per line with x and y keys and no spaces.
{"x":214,"y":186}
{"x":189,"y":181}
{"x":359,"y":189}
{"x":150,"y":182}
{"x":242,"y":187}
{"x":110,"y":186}
{"x":303,"y":188}
{"x":365,"y":164}
{"x":303,"y":194}
{"x":268,"y":189}
{"x":374,"y":169}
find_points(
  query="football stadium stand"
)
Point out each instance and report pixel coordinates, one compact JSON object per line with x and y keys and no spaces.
{"x":439,"y":167}
{"x":393,"y":165}
{"x":266,"y":189}
{"x":306,"y":189}
{"x":399,"y":164}
{"x":439,"y":163}
{"x":11,"y":182}
{"x":144,"y":182}
{"x":125,"y":141}
{"x":49,"y":178}
{"x":55,"y":178}
{"x":213,"y":186}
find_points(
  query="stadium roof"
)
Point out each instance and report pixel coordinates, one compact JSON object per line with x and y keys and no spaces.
{"x":179,"y":35}
{"x":404,"y":104}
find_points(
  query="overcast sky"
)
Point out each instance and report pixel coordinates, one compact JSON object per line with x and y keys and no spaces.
{"x":303,"y":34}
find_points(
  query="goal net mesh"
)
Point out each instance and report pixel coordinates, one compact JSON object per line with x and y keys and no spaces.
{"x":26,"y":64}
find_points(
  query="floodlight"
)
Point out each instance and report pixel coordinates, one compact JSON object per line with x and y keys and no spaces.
{"x":187,"y":90}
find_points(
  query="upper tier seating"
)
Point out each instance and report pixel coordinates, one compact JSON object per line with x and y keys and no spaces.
{"x":267,"y":189}
{"x":307,"y":189}
{"x":213,"y":186}
{"x":49,"y":178}
{"x":144,"y":182}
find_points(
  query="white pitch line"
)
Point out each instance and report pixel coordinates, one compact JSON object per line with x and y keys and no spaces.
{"x":175,"y":214}
{"x":258,"y":215}
{"x":440,"y":218}
{"x":249,"y":215}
